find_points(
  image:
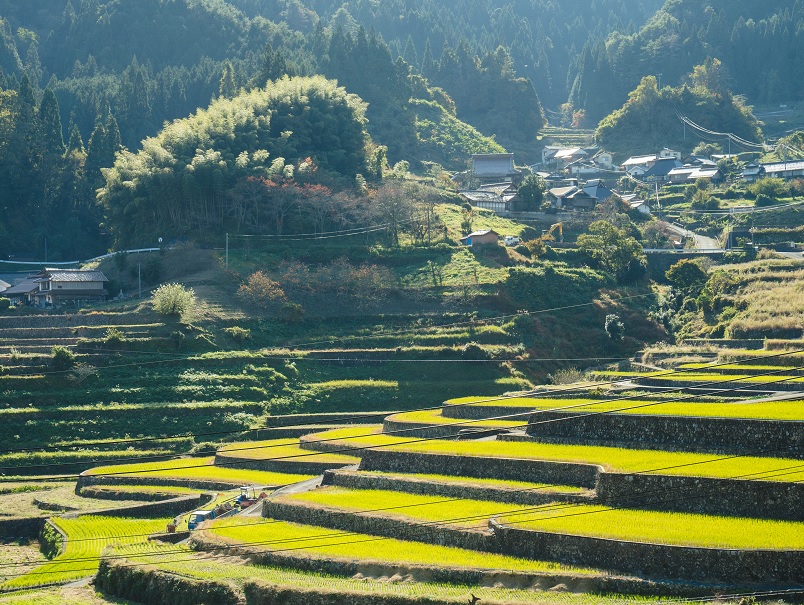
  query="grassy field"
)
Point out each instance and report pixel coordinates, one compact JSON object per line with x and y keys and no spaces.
{"x":331,"y":544}
{"x":611,"y":458}
{"x":203,"y":567}
{"x":86,"y":539}
{"x":664,"y":528}
{"x":766,"y":410}
{"x":200,"y":469}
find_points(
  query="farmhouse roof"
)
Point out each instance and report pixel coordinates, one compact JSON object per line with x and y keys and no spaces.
{"x":775,"y":167}
{"x":662,"y":167}
{"x":72,"y":275}
{"x":638,"y":160}
{"x":563,"y":191}
{"x":483,"y":232}
{"x":24,"y":287}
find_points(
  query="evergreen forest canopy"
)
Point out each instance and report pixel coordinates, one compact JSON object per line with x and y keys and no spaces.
{"x":83,"y":79}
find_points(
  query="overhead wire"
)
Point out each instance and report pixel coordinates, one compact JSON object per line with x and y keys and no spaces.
{"x":440,"y":425}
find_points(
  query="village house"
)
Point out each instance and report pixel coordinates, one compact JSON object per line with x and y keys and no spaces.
{"x":59,"y":287}
{"x":689,"y":173}
{"x":793,"y":169}
{"x":572,"y":198}
{"x":4,"y":286}
{"x":481,"y":238}
{"x":23,"y":292}
{"x":598,"y":189}
{"x":495,"y":168}
{"x":659,"y":170}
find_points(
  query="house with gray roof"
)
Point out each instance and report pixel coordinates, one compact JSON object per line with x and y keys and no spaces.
{"x":77,"y":287}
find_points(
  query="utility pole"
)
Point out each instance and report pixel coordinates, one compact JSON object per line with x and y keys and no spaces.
{"x":139,"y":278}
{"x":227,"y":250}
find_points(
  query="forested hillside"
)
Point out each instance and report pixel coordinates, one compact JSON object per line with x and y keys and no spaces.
{"x":757,"y":42}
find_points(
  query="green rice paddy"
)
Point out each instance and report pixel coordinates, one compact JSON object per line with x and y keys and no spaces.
{"x":194,"y":566}
{"x":198,"y":469}
{"x":86,"y":538}
{"x":612,"y":459}
{"x":764,"y":410}
{"x":576,"y":519}
{"x":286,"y":450}
{"x":332,"y":544}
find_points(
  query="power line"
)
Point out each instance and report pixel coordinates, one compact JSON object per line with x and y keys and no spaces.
{"x":466,"y":422}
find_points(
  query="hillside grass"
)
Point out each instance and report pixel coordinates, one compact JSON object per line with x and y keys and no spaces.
{"x":620,"y":460}
{"x":279,"y":536}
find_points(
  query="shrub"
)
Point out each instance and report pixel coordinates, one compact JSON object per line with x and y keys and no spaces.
{"x":567,"y":376}
{"x":5,"y":303}
{"x":260,"y":290}
{"x":113,"y":337}
{"x":173,"y":299}
{"x":63,"y":359}
{"x":238,"y":334}
{"x":292,"y":313}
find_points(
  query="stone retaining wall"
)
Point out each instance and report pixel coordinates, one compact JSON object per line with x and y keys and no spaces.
{"x":276,"y":466}
{"x":153,"y":587}
{"x":705,"y":495}
{"x":775,"y":438}
{"x":654,"y":560}
{"x":440,"y":574}
{"x":514,"y":469}
{"x":512,"y":495}
{"x":28,"y":527}
{"x":334,"y":418}
{"x":86,"y":480}
{"x":376,"y":525}
{"x":424,"y":430}
{"x":101,"y":493}
{"x":165,"y":508}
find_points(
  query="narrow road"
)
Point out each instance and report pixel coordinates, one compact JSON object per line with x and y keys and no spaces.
{"x":702,"y":242}
{"x":293,"y":488}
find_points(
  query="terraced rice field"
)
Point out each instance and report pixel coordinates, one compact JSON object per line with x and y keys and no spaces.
{"x":765,"y":410}
{"x":576,"y":519}
{"x":307,"y":540}
{"x":173,"y":560}
{"x":522,"y":485}
{"x":682,"y":529}
{"x":86,"y":539}
{"x":287,"y":450}
{"x":611,"y":458}
{"x":199,"y":469}
{"x":434,"y":417}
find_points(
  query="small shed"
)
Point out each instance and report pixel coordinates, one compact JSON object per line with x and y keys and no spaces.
{"x":481,"y":238}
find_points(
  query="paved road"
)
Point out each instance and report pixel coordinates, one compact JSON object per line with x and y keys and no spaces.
{"x":294,"y":488}
{"x":702,"y":242}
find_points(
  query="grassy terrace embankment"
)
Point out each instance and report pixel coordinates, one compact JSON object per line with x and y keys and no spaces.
{"x":613,"y":459}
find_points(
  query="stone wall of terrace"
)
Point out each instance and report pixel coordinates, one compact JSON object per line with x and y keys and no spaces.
{"x":514,"y":469}
{"x":654,"y":560}
{"x":377,"y":525}
{"x":705,"y":495}
{"x":558,"y":580}
{"x":201,"y":485}
{"x":414,"y":485}
{"x":773,"y":438}
{"x":299,"y":467}
{"x":402,"y":428}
